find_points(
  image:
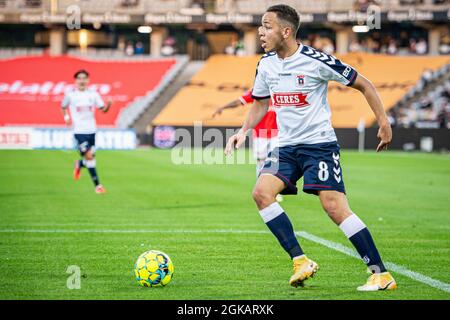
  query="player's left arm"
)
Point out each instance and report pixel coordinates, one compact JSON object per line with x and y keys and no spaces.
{"x":64,"y":108}
{"x":106,"y":107}
{"x":101,"y":105}
{"x":369,"y":91}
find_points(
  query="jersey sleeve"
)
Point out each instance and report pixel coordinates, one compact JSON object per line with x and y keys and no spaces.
{"x":335,"y":70}
{"x":246,"y":97}
{"x":99,"y":101}
{"x":260,"y":87}
{"x":66,"y":101}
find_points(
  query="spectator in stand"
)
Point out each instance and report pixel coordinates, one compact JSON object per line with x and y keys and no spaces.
{"x":443,"y":117}
{"x":230,"y":49}
{"x":404,"y":43}
{"x":328,"y":46}
{"x":412,"y":45}
{"x":139,"y":48}
{"x":324,"y":44}
{"x":121,"y":44}
{"x":240,"y":49}
{"x":129,"y":49}
{"x":392,"y":47}
{"x":168,"y":48}
{"x":444,"y":47}
{"x":355,"y":46}
{"x":421,"y":47}
{"x":373,"y":46}
{"x":427,"y":76}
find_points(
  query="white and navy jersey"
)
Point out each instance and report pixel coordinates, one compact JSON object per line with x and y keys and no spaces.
{"x":298,"y":87}
{"x":82,"y":106}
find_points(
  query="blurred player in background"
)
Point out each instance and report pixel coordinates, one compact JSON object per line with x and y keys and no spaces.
{"x":265,"y":134}
{"x":81,"y":102}
{"x":296,"y":78}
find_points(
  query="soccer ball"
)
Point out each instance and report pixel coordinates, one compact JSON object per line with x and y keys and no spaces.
{"x":153,"y":269}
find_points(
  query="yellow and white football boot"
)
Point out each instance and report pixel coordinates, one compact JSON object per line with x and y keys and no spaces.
{"x":379,"y":281}
{"x":304,"y":269}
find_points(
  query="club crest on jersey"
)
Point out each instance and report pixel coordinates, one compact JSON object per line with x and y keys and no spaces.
{"x":290,"y":99}
{"x":300,"y":80}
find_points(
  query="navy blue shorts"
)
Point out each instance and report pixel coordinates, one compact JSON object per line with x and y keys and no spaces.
{"x":318,"y":164}
{"x":85,"y":142}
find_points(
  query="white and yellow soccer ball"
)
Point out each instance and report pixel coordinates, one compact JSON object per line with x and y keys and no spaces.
{"x":153,"y":269}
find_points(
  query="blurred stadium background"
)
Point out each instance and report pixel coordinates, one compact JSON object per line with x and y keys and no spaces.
{"x":170,"y":63}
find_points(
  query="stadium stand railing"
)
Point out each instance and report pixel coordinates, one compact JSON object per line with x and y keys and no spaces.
{"x":107,"y":54}
{"x":15,"y":6}
{"x":6,"y":53}
{"x":133,"y":111}
{"x":217,"y":6}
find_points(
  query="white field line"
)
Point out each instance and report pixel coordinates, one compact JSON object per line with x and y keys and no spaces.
{"x":389,"y":265}
{"x":303,"y":234}
{"x":130,"y":231}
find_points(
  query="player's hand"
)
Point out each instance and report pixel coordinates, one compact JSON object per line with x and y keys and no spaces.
{"x":385,"y":135}
{"x":67,"y":119}
{"x":108,"y":105}
{"x":218,"y":112}
{"x":234,"y":142}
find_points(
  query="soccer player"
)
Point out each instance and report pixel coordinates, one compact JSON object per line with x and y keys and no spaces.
{"x":82,"y":103}
{"x":265,"y":132}
{"x":296,"y":77}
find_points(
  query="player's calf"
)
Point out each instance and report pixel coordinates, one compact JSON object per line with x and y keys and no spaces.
{"x":358,"y":234}
{"x":77,"y":169}
{"x":90,"y":164}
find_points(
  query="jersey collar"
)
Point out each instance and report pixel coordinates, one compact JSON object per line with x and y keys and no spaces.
{"x":293,"y":56}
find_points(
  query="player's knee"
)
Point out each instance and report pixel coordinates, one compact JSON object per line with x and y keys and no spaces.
{"x":89,"y":155}
{"x":336,"y":209}
{"x":331,"y":206}
{"x":262,"y":197}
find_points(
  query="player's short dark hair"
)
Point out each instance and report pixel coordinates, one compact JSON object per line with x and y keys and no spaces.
{"x":82,"y":71}
{"x":287,"y":14}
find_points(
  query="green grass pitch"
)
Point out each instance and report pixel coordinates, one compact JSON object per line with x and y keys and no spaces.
{"x":154,"y":204}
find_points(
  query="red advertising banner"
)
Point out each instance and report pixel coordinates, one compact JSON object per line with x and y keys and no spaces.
{"x":32,"y":88}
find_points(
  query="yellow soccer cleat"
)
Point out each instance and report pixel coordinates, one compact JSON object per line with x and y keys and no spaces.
{"x":304,"y":269}
{"x":379,"y":281}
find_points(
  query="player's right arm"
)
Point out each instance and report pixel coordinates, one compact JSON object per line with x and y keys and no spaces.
{"x":64,"y":107}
